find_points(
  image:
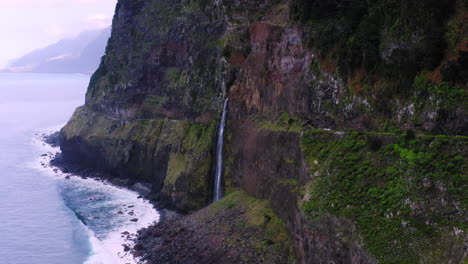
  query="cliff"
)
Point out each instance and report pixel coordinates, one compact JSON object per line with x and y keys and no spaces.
{"x":348,"y":117}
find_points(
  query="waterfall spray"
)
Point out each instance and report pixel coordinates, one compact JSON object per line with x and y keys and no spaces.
{"x":219,"y":155}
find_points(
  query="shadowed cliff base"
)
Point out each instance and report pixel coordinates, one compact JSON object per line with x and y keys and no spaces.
{"x":236,"y":229}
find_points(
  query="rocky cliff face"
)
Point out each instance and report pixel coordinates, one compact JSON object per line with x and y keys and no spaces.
{"x":359,"y":146}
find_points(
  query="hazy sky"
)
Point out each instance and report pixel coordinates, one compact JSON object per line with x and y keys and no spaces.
{"x":29,"y":24}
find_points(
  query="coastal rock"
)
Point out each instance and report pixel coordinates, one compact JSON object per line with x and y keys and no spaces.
{"x":52,"y":139}
{"x":126,"y":248}
{"x":219,"y":234}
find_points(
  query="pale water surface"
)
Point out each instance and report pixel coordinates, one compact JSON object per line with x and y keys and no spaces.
{"x":44,"y":218}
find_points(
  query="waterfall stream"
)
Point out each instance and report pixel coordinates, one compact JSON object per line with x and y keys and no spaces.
{"x":219,"y":155}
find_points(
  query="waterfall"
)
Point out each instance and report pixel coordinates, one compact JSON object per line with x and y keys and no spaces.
{"x":219,"y":155}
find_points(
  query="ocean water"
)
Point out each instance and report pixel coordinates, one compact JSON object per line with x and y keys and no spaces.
{"x":45,"y":216}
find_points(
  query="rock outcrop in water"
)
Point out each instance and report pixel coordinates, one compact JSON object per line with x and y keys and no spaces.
{"x":348,"y":117}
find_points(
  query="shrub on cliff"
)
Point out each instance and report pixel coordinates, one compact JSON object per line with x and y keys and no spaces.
{"x":382,"y":37}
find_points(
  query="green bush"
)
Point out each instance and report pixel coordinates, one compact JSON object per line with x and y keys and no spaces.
{"x":383,"y":190}
{"x":445,"y":91}
{"x":358,"y":29}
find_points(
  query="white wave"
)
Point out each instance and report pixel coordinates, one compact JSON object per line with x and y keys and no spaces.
{"x":106,"y":248}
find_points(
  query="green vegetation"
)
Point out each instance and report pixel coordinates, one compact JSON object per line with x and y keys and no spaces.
{"x":403,"y":197}
{"x":189,"y":166}
{"x":175,"y":77}
{"x":379,"y":48}
{"x":357,"y":30}
{"x":450,"y":94}
{"x":146,"y":28}
{"x":268,"y":230}
{"x":456,"y":31}
{"x":229,"y":180}
{"x":135,"y":146}
{"x":154,"y":103}
{"x":284,"y":123}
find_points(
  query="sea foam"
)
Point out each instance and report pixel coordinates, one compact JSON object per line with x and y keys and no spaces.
{"x":105,"y":210}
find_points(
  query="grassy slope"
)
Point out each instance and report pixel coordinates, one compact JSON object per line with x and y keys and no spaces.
{"x":406,"y":195}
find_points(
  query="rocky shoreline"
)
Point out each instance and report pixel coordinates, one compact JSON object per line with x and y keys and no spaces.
{"x":237,"y":229}
{"x":59,"y":165}
{"x":144,"y":189}
{"x":214,"y":234}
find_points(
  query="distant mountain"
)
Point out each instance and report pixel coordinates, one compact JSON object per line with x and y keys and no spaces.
{"x":81,"y":54}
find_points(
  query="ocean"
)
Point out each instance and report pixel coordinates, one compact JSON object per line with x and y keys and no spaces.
{"x":45,"y":216}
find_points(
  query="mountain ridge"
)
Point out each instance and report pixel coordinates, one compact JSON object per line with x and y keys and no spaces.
{"x":81,"y":54}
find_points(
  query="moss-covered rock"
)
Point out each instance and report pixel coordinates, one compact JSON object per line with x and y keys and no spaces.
{"x":399,"y":197}
{"x":271,"y":165}
{"x":235,"y":229}
{"x":406,"y":195}
{"x":173,"y":155}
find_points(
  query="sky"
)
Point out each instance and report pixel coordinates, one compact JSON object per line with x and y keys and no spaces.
{"x":26,"y":25}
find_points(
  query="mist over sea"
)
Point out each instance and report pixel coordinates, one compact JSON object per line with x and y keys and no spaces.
{"x":44,"y":217}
